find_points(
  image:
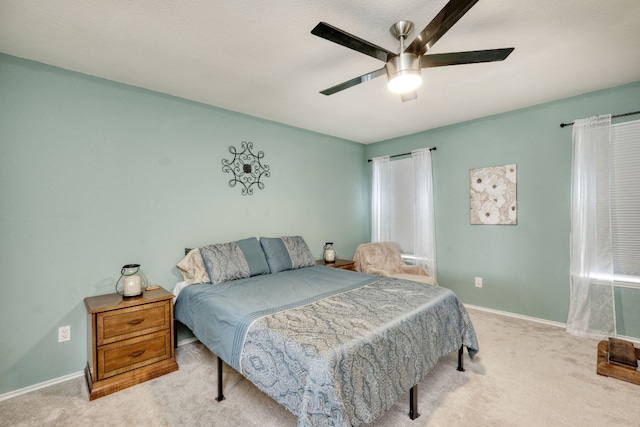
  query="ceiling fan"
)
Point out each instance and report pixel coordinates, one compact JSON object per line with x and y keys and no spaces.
{"x":403,"y":69}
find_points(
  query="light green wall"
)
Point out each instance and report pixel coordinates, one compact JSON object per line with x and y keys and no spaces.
{"x":525,"y":267}
{"x":95,"y":175}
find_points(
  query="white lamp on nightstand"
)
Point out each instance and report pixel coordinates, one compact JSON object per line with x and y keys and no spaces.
{"x":329,"y":254}
{"x":132,"y":281}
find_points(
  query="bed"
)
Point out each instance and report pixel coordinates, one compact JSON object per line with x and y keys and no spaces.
{"x":335,"y":347}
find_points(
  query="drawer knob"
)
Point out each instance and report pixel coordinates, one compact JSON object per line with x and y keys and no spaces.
{"x":136,"y":321}
{"x":137,"y":353}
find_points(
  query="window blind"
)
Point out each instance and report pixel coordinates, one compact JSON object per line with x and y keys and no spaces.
{"x":402,"y":204}
{"x":625,"y":201}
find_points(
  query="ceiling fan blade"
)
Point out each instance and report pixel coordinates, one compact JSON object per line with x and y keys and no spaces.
{"x":448,"y":16}
{"x":471,"y":57}
{"x":345,"y":39}
{"x":410,"y":96}
{"x":350,"y":83}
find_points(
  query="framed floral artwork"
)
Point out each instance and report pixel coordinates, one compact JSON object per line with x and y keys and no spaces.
{"x":493,"y":195}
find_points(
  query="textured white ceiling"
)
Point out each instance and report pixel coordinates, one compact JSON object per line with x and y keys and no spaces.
{"x":258,"y":57}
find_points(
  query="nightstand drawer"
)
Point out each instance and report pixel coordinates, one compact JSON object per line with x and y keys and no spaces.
{"x":130,"y":322}
{"x":116,"y":358}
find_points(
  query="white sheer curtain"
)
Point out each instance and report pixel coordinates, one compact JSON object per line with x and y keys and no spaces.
{"x":380,"y":195}
{"x":591,"y":307}
{"x":425,"y":228}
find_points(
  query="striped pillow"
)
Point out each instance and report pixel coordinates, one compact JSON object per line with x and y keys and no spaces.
{"x":286,"y":253}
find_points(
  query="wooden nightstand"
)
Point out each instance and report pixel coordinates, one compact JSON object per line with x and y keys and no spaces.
{"x":344,"y":264}
{"x":130,"y":340}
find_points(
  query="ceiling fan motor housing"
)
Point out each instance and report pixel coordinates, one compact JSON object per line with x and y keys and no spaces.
{"x":403,"y":72}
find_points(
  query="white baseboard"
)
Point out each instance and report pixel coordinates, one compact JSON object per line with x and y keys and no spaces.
{"x":38,"y":386}
{"x":187,"y":341}
{"x":517,"y":316}
{"x":64,"y":378}
{"x":538,"y":320}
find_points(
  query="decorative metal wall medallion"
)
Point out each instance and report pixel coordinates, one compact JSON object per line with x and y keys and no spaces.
{"x":246,"y":168}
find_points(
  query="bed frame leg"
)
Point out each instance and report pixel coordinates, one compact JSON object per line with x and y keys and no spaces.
{"x":175,"y":334}
{"x":220,"y":395}
{"x":460,"y":359}
{"x":413,"y":402}
{"x":413,"y":393}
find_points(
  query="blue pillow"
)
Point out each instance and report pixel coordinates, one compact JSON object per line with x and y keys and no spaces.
{"x":286,"y":253}
{"x":234,"y":260}
{"x":254,"y":255}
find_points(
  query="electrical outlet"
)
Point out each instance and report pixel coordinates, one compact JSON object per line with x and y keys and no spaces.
{"x":64,"y":333}
{"x":478,"y":282}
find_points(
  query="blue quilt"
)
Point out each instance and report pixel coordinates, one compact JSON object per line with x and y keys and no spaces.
{"x":336,"y":348}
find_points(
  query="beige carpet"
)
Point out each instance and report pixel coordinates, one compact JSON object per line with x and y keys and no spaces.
{"x":526,"y":374}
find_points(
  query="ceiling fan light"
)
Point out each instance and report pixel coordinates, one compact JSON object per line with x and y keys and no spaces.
{"x":405,"y":81}
{"x":403,"y":73}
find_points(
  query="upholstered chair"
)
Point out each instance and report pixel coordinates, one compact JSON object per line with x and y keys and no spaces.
{"x":384,"y":259}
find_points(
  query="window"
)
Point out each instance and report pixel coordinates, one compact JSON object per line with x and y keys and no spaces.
{"x":625,"y":202}
{"x":401,"y":204}
{"x":605,"y":225}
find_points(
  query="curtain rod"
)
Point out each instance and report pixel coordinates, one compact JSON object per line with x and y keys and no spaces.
{"x":403,"y":154}
{"x":613,"y":117}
